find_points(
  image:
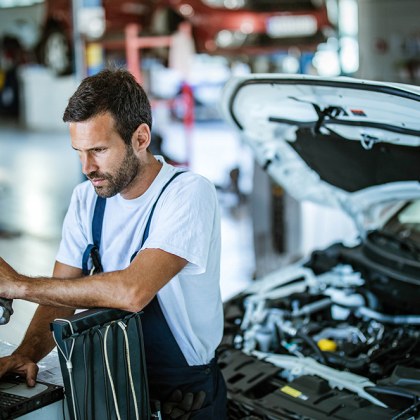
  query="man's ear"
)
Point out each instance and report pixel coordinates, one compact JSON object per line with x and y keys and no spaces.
{"x":141,"y":138}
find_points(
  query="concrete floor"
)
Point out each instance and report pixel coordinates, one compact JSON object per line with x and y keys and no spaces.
{"x":38,"y":171}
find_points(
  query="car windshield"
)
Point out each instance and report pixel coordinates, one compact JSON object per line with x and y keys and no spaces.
{"x":405,"y":224}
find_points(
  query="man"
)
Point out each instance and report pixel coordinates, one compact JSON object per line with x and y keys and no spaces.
{"x":174,"y":276}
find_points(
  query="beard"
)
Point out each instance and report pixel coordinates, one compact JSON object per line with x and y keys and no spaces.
{"x":121,"y":179}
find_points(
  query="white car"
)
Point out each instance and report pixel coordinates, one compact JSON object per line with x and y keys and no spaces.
{"x":337,"y":335}
{"x":28,"y":23}
{"x":22,"y":20}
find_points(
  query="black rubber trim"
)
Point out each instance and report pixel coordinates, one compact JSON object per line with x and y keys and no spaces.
{"x":342,"y":84}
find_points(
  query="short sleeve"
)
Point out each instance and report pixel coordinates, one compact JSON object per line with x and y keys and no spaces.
{"x":185,"y":221}
{"x":74,"y":239}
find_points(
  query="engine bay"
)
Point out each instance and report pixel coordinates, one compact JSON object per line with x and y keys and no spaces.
{"x":323,"y":340}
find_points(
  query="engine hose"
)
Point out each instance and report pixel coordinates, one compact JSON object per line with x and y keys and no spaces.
{"x":347,"y":362}
{"x":311,"y":343}
{"x":389,"y":319}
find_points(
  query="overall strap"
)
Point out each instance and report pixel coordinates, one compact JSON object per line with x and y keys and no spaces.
{"x":149,"y":220}
{"x":92,"y":250}
{"x":160,"y":345}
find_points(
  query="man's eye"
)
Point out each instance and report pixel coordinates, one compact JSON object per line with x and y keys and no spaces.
{"x":99,"y":150}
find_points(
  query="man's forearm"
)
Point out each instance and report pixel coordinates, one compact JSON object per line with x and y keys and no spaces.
{"x":38,"y":340}
{"x":68,"y":288}
{"x":130,"y":289}
{"x":86,"y":292}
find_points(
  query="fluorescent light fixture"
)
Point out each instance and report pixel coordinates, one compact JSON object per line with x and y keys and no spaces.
{"x":290,"y":26}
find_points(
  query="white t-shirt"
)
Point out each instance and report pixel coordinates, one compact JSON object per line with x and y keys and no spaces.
{"x":186,"y":222}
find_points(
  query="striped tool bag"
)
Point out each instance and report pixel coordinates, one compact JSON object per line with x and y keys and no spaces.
{"x":103,"y":365}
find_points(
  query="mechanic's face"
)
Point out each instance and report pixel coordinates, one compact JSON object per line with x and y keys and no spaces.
{"x":107,"y":161}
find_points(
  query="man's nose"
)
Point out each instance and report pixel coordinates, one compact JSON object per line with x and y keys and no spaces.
{"x":88,"y":164}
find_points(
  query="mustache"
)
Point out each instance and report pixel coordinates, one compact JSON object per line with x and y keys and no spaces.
{"x":98,"y":175}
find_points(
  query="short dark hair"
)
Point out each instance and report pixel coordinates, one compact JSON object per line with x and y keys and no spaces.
{"x":115,"y":91}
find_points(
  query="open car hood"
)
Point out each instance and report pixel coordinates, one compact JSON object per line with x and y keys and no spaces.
{"x":342,"y":142}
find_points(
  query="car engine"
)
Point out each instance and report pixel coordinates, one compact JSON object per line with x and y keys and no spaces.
{"x":323,"y":339}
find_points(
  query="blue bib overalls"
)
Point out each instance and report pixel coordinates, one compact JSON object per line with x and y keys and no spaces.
{"x":167,"y":367}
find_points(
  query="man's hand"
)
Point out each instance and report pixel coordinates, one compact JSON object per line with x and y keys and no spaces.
{"x":180,"y":406}
{"x":21,"y":365}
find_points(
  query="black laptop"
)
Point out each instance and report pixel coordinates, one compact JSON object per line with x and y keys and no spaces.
{"x":17,"y":399}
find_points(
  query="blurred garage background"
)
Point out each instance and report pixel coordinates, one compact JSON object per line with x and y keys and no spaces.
{"x":183,"y":52}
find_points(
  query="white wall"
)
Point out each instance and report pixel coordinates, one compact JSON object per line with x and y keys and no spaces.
{"x":389,"y":40}
{"x":44,"y":98}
